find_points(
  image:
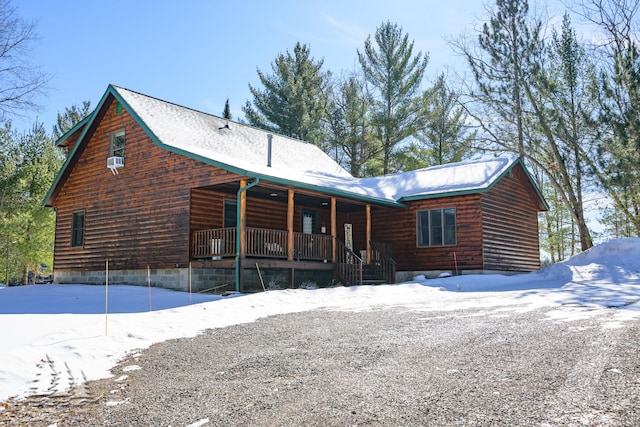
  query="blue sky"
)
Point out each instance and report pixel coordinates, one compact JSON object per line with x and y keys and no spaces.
{"x":198,"y":53}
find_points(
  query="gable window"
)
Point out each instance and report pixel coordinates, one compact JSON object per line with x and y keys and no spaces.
{"x":230,"y":213}
{"x":77,"y":229}
{"x":437,"y":227}
{"x":117,"y":144}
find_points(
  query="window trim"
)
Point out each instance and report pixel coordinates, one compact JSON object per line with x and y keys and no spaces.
{"x":75,"y":242}
{"x":112,"y":149}
{"x":420,"y":227}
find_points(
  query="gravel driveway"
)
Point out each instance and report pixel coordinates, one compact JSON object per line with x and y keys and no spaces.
{"x":391,"y":367}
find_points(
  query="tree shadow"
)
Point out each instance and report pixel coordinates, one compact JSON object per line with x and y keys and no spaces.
{"x":93,"y":299}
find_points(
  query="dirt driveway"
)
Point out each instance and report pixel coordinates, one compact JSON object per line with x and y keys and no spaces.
{"x":390,"y":367}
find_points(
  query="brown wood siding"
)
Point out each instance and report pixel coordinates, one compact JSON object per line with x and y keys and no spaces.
{"x":207,"y":209}
{"x":207,"y":212}
{"x":510,"y":231}
{"x":137,"y":218}
{"x":273,"y":215}
{"x":399,"y":227}
{"x":358,"y":220}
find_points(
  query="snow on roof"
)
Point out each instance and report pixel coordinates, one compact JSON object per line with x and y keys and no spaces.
{"x":245,"y":148}
{"x":440,"y":180}
{"x":227,"y":142}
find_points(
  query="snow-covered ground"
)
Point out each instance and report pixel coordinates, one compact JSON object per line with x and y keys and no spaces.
{"x":54,"y":336}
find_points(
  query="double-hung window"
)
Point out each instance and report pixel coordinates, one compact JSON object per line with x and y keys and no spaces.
{"x":117,"y":144}
{"x":437,"y":227}
{"x":77,"y":229}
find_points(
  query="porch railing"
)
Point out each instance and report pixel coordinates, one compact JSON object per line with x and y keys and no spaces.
{"x":220,"y":242}
{"x":266,"y":243}
{"x":261,"y":242}
{"x":381,"y":262}
{"x":315,"y":247}
{"x":349,"y":264}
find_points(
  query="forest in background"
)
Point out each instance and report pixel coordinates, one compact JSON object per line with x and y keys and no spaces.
{"x":533,"y":86}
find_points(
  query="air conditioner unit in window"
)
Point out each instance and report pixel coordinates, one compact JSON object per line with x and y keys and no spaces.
{"x":114,"y":163}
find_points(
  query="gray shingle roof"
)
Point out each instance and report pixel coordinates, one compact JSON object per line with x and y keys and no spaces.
{"x":243,"y":149}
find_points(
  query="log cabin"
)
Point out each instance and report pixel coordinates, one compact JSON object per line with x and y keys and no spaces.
{"x":156,"y":192}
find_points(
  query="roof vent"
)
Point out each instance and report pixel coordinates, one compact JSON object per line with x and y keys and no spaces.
{"x":269,"y":144}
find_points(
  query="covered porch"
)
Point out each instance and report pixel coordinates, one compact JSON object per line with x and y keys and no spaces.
{"x":311,"y":241}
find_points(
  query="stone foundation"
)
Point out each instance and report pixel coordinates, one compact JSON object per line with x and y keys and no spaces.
{"x":215,"y":280}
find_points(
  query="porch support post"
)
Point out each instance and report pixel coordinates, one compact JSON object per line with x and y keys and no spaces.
{"x":290,"y":248}
{"x":368,"y":232}
{"x":334,"y":230}
{"x":241,"y":224}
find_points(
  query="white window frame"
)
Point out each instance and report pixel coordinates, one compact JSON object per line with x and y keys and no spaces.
{"x":115,"y":151}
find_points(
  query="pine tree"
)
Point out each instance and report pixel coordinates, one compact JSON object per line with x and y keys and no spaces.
{"x":71,"y":116}
{"x":294,"y":98}
{"x":528,"y":93}
{"x":396,"y":74}
{"x":566,"y":102}
{"x":226,"y":114}
{"x":30,"y":163}
{"x":444,"y":137}
{"x":618,"y":152}
{"x":350,"y":128}
{"x":509,"y":46}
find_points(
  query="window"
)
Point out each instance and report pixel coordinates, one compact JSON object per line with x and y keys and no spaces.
{"x":437,"y":227}
{"x":117,"y":144}
{"x":230,"y":213}
{"x":309,"y":221}
{"x":77,"y":229}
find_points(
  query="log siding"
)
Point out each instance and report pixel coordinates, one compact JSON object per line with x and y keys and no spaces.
{"x":495,"y":230}
{"x":137,"y":218}
{"x":146,"y":214}
{"x":510,"y":225}
{"x":400,"y":228}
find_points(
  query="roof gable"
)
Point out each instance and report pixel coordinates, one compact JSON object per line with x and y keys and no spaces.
{"x":229,"y":143}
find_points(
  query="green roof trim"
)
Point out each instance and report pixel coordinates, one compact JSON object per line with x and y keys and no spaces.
{"x":71,"y":131}
{"x":84,"y":122}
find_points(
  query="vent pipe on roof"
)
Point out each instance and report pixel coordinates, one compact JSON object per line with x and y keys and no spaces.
{"x":269,"y":144}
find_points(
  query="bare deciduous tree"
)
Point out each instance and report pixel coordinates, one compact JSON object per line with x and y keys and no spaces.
{"x":20,"y":81}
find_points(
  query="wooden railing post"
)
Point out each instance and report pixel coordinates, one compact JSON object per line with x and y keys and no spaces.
{"x":334,"y":230}
{"x":368,"y":233}
{"x":243,"y":220}
{"x":290,"y":212}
